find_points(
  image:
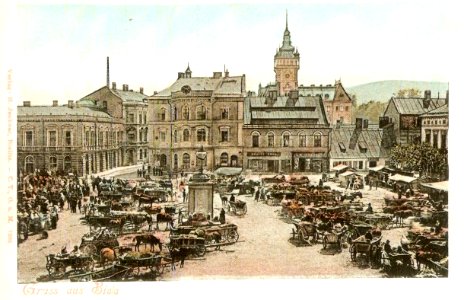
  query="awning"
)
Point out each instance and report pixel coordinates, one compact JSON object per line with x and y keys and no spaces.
{"x":442,"y":185}
{"x":376,"y":169}
{"x":228,"y":171}
{"x":347,"y":173}
{"x":398,"y":177}
{"x":339,"y":167}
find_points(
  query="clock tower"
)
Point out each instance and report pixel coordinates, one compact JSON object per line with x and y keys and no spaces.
{"x":286,"y":64}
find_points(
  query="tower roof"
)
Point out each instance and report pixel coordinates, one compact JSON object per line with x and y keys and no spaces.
{"x":286,"y":50}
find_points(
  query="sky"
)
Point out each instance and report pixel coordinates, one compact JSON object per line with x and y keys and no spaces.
{"x":62,"y":48}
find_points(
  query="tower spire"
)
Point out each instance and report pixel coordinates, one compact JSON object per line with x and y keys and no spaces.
{"x":286,"y":19}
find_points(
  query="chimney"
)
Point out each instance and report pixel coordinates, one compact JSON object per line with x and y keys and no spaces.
{"x":70,"y":103}
{"x":77,"y":105}
{"x":27,"y":103}
{"x":180,"y":75}
{"x":365,"y":123}
{"x":55,"y":103}
{"x":113,"y":87}
{"x":108,"y":71}
{"x":141,"y":90}
{"x":217,"y":74}
{"x":243,"y":83}
{"x":359,"y":123}
{"x":427,"y":99}
{"x":226,"y":73}
{"x":447,"y":97}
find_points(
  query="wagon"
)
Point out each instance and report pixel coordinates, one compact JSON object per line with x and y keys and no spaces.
{"x":114,"y":273}
{"x":369,"y":248}
{"x":93,"y":242}
{"x":305,"y":231}
{"x":237,"y":207}
{"x":397,"y":263}
{"x":58,"y":263}
{"x":229,"y":233}
{"x":333,"y":238}
{"x":188,"y":241}
{"x":148,"y":261}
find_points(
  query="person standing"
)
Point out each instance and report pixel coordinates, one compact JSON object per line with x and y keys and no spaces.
{"x":184,"y":195}
{"x":222,"y":216}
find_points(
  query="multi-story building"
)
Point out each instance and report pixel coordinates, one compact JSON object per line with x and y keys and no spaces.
{"x":70,"y":139}
{"x":434,"y":127}
{"x":404,"y":113}
{"x":131,"y":108}
{"x":285,"y":131}
{"x":197,"y":112}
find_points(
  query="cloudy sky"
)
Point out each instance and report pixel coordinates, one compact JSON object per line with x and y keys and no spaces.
{"x":62,"y":48}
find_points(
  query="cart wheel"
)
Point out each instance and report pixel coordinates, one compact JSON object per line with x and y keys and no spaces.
{"x":89,"y":249}
{"x":201,"y":250}
{"x":233,"y":236}
{"x":59,"y":268}
{"x":352,"y":252}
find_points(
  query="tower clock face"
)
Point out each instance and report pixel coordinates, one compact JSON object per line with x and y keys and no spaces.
{"x":287,"y":75}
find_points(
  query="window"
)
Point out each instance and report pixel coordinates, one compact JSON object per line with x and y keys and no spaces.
{"x":224,"y":159}
{"x":162,"y":136}
{"x":140,"y":118}
{"x":255,"y":139}
{"x":346,"y":108}
{"x":144,"y":118}
{"x":175,"y":113}
{"x":53,"y":163}
{"x":270,"y":140}
{"x":443,"y":139}
{"x":336,"y":108}
{"x":435,"y":140}
{"x":362,"y":147}
{"x":145,"y":153}
{"x":185,"y":161}
{"x":141,"y":135}
{"x":52,"y":138}
{"x":361,"y":165}
{"x":67,"y":163}
{"x":201,"y":135}
{"x":163,"y":114}
{"x":428,"y":136}
{"x":326,"y":96}
{"x":317,"y":140}
{"x":225,"y":113}
{"x":176,"y":162}
{"x":185,"y":113}
{"x":302,"y":140}
{"x":186,"y":135}
{"x":28,"y":138}
{"x":201,"y":113}
{"x":224,"y":134}
{"x":286,"y":139}
{"x":342,"y":108}
{"x":87,"y":139}
{"x":29,"y":164}
{"x":444,"y":122}
{"x":131,"y":118}
{"x":175,"y":136}
{"x":372,"y":164}
{"x":140,"y":154}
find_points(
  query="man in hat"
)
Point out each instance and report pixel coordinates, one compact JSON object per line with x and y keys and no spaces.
{"x":369,"y":209}
{"x":387,"y":247}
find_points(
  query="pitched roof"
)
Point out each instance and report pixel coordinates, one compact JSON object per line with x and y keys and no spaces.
{"x":442,"y":110}
{"x":415,"y":106}
{"x":60,"y":111}
{"x":223,"y":85}
{"x":366,"y":145}
{"x":129,"y":96}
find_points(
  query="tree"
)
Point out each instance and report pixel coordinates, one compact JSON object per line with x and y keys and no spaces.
{"x":423,"y":158}
{"x":408,"y":93}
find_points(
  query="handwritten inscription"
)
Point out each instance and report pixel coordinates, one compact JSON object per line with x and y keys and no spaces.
{"x":98,"y":289}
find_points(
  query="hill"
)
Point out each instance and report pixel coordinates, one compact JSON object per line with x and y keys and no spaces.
{"x":371,"y":110}
{"x":383,"y":90}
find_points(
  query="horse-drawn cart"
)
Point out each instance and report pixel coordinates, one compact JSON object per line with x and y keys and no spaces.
{"x":114,"y":273}
{"x":94,"y":241}
{"x":397,"y":264}
{"x":369,"y":248}
{"x":147,"y":261}
{"x":306,"y":232}
{"x":58,"y":263}
{"x":237,"y":207}
{"x":188,"y":241}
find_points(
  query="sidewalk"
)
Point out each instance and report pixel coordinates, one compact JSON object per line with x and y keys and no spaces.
{"x":118,"y":171}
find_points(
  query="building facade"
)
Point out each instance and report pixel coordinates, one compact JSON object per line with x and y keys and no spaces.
{"x":404,"y":114}
{"x":68,"y":139}
{"x":434,"y":127}
{"x":284,"y":130}
{"x":197,"y":112}
{"x":131,"y":108}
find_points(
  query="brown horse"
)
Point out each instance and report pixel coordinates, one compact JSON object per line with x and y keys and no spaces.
{"x":179,"y":254}
{"x":164,"y":218}
{"x":147,"y":239}
{"x":107,"y":255}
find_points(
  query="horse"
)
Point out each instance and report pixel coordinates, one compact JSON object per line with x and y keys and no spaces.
{"x":147,"y":239}
{"x":164,"y":218}
{"x":107,"y":255}
{"x":179,"y":254}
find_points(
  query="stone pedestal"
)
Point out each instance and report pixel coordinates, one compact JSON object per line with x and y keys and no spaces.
{"x":200,"y":195}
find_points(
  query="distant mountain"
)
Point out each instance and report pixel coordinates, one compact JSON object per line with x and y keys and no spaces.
{"x":383,"y":90}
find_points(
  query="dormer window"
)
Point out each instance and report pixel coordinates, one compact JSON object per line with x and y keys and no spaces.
{"x":362,"y":146}
{"x":342,"y":147}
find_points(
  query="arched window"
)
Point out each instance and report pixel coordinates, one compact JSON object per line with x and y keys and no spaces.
{"x":286,"y":139}
{"x":163,"y":114}
{"x":234,"y":160}
{"x":186,"y":113}
{"x":201,"y":135}
{"x":67,"y":163}
{"x":29,"y":164}
{"x":176,"y":162}
{"x":186,"y":135}
{"x":175,"y":136}
{"x":163,"y":160}
{"x":301,"y":139}
{"x":224,"y":159}
{"x":201,"y":113}
{"x":140,"y":154}
{"x":270,"y":139}
{"x":175,"y":113}
{"x":317,"y":139}
{"x":185,"y":161}
{"x":255,"y":139}
{"x":53,"y":163}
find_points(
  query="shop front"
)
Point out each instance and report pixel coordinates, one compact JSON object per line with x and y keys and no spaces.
{"x":267,"y":161}
{"x":309,"y":162}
